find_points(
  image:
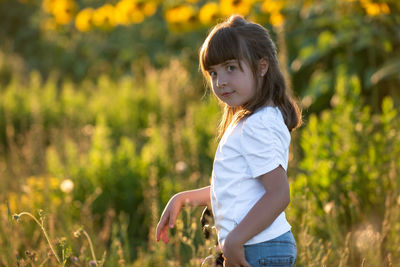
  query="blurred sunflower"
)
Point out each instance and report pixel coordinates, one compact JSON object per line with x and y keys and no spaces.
{"x":209,"y":13}
{"x":242,"y":7}
{"x":83,"y":21}
{"x":104,"y":17}
{"x":273,"y":8}
{"x":126,"y":12}
{"x":63,"y":11}
{"x":148,"y":8}
{"x":180,"y":14}
{"x":375,"y":9}
{"x":182,"y":18}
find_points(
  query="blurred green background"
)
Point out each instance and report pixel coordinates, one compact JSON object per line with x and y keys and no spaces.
{"x":104,"y":115}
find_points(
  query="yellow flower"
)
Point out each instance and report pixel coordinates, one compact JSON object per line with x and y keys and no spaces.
{"x":384,"y":8}
{"x":83,"y":21}
{"x":35,"y":182}
{"x":48,"y":5}
{"x":63,"y":11}
{"x":123,"y":11}
{"x":128,"y":12}
{"x":374,"y":9}
{"x":149,"y":8}
{"x":180,"y":14}
{"x":242,"y":7}
{"x":271,"y":6}
{"x":276,"y":18}
{"x":53,"y":182}
{"x":209,"y":13}
{"x":137,"y":16}
{"x":104,"y":17}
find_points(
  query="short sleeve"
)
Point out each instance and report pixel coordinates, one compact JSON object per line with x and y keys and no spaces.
{"x":265,"y":143}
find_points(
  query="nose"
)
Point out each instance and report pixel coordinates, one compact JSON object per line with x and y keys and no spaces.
{"x":221,"y":82}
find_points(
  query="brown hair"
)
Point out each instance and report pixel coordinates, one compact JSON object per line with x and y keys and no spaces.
{"x":239,"y":39}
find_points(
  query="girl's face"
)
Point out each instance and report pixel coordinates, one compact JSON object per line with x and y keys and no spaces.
{"x":232,"y":85}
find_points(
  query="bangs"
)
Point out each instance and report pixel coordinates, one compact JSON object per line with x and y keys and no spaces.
{"x":222,"y":45}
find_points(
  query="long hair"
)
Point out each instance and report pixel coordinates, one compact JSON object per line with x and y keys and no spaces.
{"x":239,"y":39}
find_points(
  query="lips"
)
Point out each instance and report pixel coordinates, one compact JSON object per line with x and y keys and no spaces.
{"x":226,"y":94}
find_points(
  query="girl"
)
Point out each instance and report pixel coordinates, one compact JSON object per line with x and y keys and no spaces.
{"x":249,"y":188}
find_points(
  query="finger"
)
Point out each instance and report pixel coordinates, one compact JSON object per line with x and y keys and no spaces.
{"x":164,"y":235}
{"x":160,"y":231}
{"x":161,"y":225}
{"x":172,"y":219}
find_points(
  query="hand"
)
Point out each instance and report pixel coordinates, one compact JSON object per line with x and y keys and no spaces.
{"x":168,"y":218}
{"x":233,"y":253}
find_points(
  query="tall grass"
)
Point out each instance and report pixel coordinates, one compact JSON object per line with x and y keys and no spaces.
{"x":104,"y":157}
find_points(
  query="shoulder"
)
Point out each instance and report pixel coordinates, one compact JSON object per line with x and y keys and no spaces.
{"x":267,"y":118}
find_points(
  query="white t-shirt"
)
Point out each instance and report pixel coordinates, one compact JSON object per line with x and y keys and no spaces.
{"x":254,"y":146}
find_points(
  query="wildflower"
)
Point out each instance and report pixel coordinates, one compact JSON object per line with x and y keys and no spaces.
{"x":67,"y":186}
{"x":92,"y":263}
{"x":149,"y":8}
{"x":137,"y":16}
{"x":75,"y":259}
{"x":63,"y":11}
{"x":276,"y":19}
{"x":104,"y":17}
{"x":229,"y":7}
{"x":271,"y":6}
{"x":31,"y":255}
{"x":274,"y":9}
{"x":127,"y":12}
{"x":83,"y":21}
{"x":77,"y":233}
{"x":182,"y":18}
{"x":375,"y":9}
{"x":179,"y":14}
{"x":329,"y":207}
{"x":366,"y":237}
{"x":209,"y":12}
{"x":54,"y":182}
{"x":16,"y":217}
{"x":180,"y":167}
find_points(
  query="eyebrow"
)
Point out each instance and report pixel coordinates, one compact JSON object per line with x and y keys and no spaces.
{"x":230,"y":61}
{"x":225,"y":63}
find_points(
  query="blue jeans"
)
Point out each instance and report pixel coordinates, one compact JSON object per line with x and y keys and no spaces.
{"x":280,"y":251}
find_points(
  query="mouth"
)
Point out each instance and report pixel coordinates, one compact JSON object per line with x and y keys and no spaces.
{"x":227,"y":94}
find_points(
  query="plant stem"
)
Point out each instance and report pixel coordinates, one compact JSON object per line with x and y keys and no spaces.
{"x":91,"y":246}
{"x":44,"y":232}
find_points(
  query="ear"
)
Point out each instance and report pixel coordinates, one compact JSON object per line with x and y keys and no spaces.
{"x":263,"y":67}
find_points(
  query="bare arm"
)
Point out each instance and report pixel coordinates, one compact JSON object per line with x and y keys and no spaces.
{"x":263,"y":213}
{"x":197,"y":197}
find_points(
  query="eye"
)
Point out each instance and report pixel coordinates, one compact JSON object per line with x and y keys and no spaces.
{"x":230,"y":68}
{"x":212,"y":73}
